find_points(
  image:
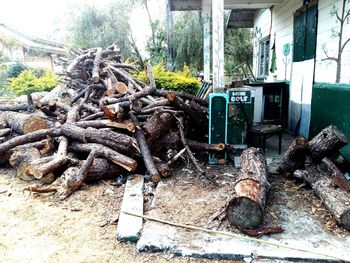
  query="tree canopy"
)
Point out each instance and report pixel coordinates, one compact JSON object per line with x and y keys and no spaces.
{"x":91,"y":27}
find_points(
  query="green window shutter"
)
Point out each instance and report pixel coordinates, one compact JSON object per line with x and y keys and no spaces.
{"x":305,"y":32}
{"x":299,"y":35}
{"x":311,"y":32}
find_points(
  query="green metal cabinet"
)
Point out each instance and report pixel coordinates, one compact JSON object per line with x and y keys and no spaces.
{"x":218,"y":109}
{"x":240,"y":114}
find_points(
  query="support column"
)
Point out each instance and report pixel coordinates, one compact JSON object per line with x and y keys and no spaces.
{"x":169,"y":18}
{"x":206,"y":13}
{"x":218,"y":44}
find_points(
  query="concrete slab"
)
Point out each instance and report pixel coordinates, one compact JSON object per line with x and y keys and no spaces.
{"x":158,"y":237}
{"x":301,"y":229}
{"x":129,"y":227}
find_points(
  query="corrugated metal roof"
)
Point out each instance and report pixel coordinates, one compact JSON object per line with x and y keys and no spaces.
{"x":33,"y":43}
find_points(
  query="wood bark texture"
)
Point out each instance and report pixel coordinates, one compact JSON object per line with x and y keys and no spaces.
{"x":246,"y":209}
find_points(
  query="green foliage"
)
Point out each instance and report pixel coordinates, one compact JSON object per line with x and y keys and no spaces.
{"x":176,"y":81}
{"x":238,"y":48}
{"x":15,"y":69}
{"x":28,"y":82}
{"x":188,"y":40}
{"x":157,"y":44}
{"x":92,"y":27}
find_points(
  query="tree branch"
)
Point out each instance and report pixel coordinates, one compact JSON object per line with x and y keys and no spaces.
{"x":338,"y":17}
{"x":328,"y":57}
{"x":345,"y":43}
{"x":347,"y":15}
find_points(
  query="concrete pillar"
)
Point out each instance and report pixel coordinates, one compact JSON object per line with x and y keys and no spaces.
{"x":206,"y":13}
{"x":218,"y":44}
{"x":169,"y":18}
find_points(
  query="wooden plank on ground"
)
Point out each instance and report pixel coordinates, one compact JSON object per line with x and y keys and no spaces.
{"x":129,"y":227}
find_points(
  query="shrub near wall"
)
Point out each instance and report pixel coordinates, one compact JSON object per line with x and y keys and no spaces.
{"x":175,"y":81}
{"x":27,"y":81}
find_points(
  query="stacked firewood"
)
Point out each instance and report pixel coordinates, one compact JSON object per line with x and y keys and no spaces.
{"x":102,"y":122}
{"x":316,"y":162}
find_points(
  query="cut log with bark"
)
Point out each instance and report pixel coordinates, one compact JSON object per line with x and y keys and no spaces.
{"x":145,"y":151}
{"x":115,"y":85}
{"x":23,"y":123}
{"x":46,"y":166}
{"x":182,"y":95}
{"x":20,"y":159}
{"x":75,"y":180}
{"x":106,"y":123}
{"x":159,"y":124}
{"x":327,"y":143}
{"x":199,"y":118}
{"x":294,"y":157}
{"x":117,"y":111}
{"x":103,"y":169}
{"x":111,"y":139}
{"x":96,"y":69}
{"x":28,"y":138}
{"x":202,"y":146}
{"x":5,"y":132}
{"x":246,"y":208}
{"x":123,"y":161}
{"x":102,"y":121}
{"x":337,"y":176}
{"x":335,"y":199}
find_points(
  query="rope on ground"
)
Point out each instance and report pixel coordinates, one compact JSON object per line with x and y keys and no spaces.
{"x":223,"y":233}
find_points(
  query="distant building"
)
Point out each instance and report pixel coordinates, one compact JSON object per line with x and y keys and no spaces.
{"x":33,"y":52}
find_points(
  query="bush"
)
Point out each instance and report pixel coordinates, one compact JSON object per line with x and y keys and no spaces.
{"x":175,"y":81}
{"x":28,"y":82}
{"x":14,"y":70}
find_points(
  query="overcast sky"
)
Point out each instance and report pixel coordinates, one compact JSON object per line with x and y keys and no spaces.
{"x":40,"y":18}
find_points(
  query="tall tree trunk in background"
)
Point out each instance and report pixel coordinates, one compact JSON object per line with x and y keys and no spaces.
{"x":150,"y":21}
{"x":133,"y":43}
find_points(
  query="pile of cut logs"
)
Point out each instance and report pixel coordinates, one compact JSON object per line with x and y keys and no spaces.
{"x":99,"y":124}
{"x":315,"y":162}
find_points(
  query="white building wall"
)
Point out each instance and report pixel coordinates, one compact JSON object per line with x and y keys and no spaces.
{"x":325,"y":70}
{"x":282,"y":32}
{"x":282,"y":28}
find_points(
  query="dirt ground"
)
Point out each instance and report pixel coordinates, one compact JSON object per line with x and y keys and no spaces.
{"x":82,"y":228}
{"x":79,"y":229}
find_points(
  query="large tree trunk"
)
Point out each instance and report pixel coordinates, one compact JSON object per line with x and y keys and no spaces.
{"x":246,"y":209}
{"x":23,"y":123}
{"x":335,"y":199}
{"x":327,"y":143}
{"x":294,"y":157}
